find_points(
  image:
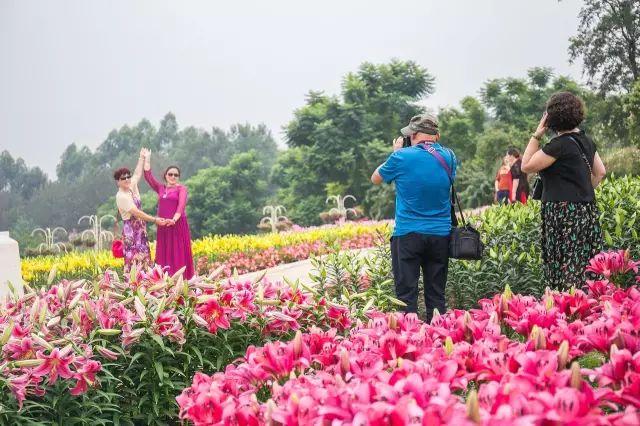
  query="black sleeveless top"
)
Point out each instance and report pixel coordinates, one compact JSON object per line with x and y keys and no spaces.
{"x":568,"y":178}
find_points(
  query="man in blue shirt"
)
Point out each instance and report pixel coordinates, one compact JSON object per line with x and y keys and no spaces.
{"x":420,"y":239}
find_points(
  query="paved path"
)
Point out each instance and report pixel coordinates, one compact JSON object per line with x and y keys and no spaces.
{"x":292,"y":271}
{"x":300,"y":270}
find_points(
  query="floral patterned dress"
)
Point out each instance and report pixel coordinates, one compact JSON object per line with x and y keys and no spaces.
{"x":571,"y":236}
{"x":136,"y":244}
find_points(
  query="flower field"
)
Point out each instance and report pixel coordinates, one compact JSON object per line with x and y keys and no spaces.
{"x":90,"y":352}
{"x":159,"y":349}
{"x":514,"y":361}
{"x":245,"y":253}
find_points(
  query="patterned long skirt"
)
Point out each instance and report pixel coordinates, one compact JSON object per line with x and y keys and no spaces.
{"x":136,"y":244}
{"x":571,"y":236}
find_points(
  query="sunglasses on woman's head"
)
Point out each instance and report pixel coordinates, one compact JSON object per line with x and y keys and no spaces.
{"x":173,"y":174}
{"x":125,"y":177}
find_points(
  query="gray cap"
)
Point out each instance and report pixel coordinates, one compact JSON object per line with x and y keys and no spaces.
{"x":423,"y":123}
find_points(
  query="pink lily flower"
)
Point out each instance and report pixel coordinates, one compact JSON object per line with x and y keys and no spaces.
{"x":55,"y":364}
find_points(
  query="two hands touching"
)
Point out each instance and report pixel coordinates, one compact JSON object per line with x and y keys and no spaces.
{"x":145,"y":155}
{"x":161,"y":221}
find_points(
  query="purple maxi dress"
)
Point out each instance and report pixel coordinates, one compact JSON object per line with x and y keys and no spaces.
{"x":173,"y":245}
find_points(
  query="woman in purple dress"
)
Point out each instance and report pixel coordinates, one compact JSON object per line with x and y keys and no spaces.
{"x":173,"y":246}
{"x":134,"y":228}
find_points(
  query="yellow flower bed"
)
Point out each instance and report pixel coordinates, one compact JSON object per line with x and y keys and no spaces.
{"x":217,"y":247}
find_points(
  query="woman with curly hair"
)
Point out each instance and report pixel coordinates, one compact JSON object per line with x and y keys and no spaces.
{"x":570,"y":169}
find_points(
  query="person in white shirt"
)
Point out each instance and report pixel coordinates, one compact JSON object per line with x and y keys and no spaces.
{"x":134,"y":228}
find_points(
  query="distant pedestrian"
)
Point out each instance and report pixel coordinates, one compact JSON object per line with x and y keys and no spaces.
{"x":503,"y":183}
{"x":520,"y":185}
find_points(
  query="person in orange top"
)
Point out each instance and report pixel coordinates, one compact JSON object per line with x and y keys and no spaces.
{"x":503,"y":183}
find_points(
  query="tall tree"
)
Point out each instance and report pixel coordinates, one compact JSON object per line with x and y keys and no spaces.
{"x":608,"y":41}
{"x":228,"y":199}
{"x":74,"y":163}
{"x":332,"y":133}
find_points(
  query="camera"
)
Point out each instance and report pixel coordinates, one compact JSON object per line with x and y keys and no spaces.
{"x":406,"y":141}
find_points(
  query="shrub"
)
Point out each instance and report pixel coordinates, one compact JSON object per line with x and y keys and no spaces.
{"x":512,"y":240}
{"x":621,"y":162}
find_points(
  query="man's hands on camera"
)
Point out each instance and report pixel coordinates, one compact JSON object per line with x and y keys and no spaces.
{"x":397,"y":144}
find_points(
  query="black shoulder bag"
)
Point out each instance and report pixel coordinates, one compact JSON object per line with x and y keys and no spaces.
{"x":465,"y":240}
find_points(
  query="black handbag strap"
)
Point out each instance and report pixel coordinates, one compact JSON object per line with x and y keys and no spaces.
{"x":584,"y":155}
{"x":454,"y":194}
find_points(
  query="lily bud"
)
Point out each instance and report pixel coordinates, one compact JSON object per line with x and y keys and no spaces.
{"x":613,"y":351}
{"x":75,"y":300}
{"x":43,"y":313}
{"x":448,"y":346}
{"x":52,"y":274}
{"x":39,"y":340}
{"x":392,"y":321}
{"x":473,"y":407}
{"x":6,"y":334}
{"x":75,"y":316}
{"x":178,"y":274}
{"x":541,"y":341}
{"x":297,"y":344}
{"x":548,"y":303}
{"x":345,"y":365}
{"x":466,"y":318}
{"x":108,"y":331}
{"x":140,"y":309}
{"x":110,"y":355}
{"x":576,"y":377}
{"x":66,"y":350}
{"x":89,"y":310}
{"x":35,"y":309}
{"x":60,"y":293}
{"x":28,"y":363}
{"x":435,"y":314}
{"x":199,"y":320}
{"x":507,"y":293}
{"x":216,"y":272}
{"x":259,"y":278}
{"x":271,"y":407}
{"x":563,"y":355}
{"x":53,"y":322}
{"x":157,"y":287}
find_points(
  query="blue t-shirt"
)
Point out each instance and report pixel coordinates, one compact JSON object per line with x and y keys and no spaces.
{"x":423,"y":190}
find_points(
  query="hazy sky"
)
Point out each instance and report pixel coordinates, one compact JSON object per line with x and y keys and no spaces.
{"x":70,"y":71}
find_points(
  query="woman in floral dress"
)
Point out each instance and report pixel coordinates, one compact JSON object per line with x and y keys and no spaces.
{"x":570,"y":169}
{"x":134,"y":229}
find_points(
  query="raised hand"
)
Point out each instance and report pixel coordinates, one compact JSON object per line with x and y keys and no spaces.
{"x":397,"y":144}
{"x":542,"y":126}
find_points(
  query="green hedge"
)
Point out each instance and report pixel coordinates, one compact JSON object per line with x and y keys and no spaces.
{"x":512,"y":237}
